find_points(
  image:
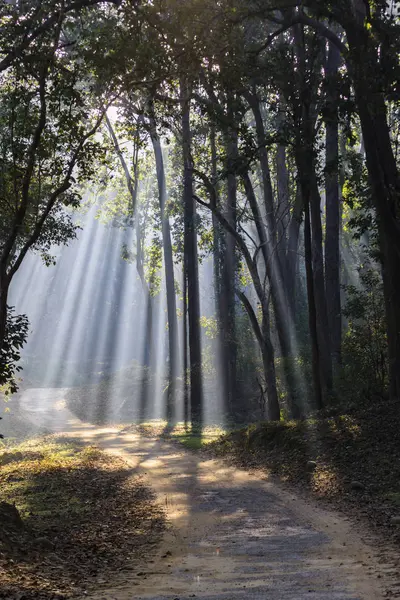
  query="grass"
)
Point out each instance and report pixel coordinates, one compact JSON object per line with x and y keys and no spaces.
{"x":85,"y":514}
{"x":31,"y":473}
{"x":188,"y":435}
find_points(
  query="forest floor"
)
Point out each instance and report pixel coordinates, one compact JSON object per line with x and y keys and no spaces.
{"x":78,"y":513}
{"x":231,"y":534}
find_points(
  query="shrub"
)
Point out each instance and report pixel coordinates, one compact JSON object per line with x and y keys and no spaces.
{"x":365,"y":361}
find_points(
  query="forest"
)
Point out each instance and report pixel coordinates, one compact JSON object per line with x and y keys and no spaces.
{"x":200,"y":236}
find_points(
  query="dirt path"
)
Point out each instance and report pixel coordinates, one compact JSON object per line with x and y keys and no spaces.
{"x":232,"y":535}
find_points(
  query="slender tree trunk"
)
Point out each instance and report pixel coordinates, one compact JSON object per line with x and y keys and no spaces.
{"x":228,"y":312}
{"x":147,"y":359}
{"x":319,"y":288}
{"x":332,"y":236}
{"x":4,"y":287}
{"x":283,"y":210}
{"x":216,"y":228}
{"x":191,"y":261}
{"x":218,"y":236}
{"x":186,"y":398}
{"x":264,"y":164}
{"x":312,"y":313}
{"x":305,"y":162}
{"x":275,"y":246}
{"x":292,"y":256}
{"x":269,"y":369}
{"x":315,"y":268}
{"x":169,"y":274}
{"x":133,"y":187}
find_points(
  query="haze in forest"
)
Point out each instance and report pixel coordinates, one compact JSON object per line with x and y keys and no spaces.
{"x":200,"y":206}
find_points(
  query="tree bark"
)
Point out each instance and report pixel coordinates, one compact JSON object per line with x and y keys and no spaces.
{"x":218,"y":235}
{"x":319,"y":288}
{"x":4,"y":287}
{"x":228,"y":272}
{"x":186,"y":395}
{"x":191,"y":263}
{"x":312,"y":313}
{"x":332,"y":236}
{"x":283,"y":209}
{"x":169,"y":273}
{"x":315,"y":275}
{"x":292,"y":255}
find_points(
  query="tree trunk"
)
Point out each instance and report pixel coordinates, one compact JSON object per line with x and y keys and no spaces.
{"x":385,"y":181}
{"x":332,"y":236}
{"x":312,"y":313}
{"x":147,"y":360}
{"x":283,"y":321}
{"x":228,"y":312}
{"x":263,"y":337}
{"x":292,"y":255}
{"x":191,"y":263}
{"x":218,"y":238}
{"x":315,"y":273}
{"x":319,"y":289}
{"x":269,"y":369}
{"x":264,"y":164}
{"x":283,"y":210}
{"x":306,"y":169}
{"x":186,"y":407}
{"x":4,"y":287}
{"x":169,"y":274}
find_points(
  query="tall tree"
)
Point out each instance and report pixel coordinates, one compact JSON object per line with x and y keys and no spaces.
{"x":332,"y":202}
{"x":169,"y":268}
{"x":191,"y":261}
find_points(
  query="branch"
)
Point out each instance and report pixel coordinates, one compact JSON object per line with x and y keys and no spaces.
{"x":251,"y":265}
{"x":45,"y":26}
{"x":129,"y":181}
{"x":303,"y":19}
{"x":252,"y":316}
{"x":66,"y":184}
{"x":20,"y":214}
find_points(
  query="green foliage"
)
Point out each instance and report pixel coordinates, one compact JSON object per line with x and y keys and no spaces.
{"x":10,"y":351}
{"x":10,"y":354}
{"x":365,"y":362}
{"x":153,"y":264}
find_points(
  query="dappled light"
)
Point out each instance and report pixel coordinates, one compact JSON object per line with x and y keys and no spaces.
{"x":199,"y":299}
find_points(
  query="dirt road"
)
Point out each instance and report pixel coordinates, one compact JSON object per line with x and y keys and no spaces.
{"x":232,"y":535}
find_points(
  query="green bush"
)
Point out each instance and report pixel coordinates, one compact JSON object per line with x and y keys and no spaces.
{"x":364,"y":370}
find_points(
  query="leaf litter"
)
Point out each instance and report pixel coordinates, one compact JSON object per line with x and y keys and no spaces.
{"x":80,"y":516}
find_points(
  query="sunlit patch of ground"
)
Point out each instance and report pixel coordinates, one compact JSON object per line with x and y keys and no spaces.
{"x":85,"y":516}
{"x":186,"y":434}
{"x":352,"y":460}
